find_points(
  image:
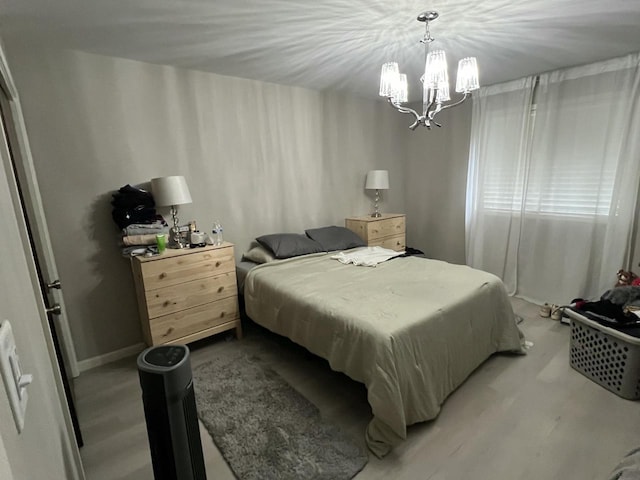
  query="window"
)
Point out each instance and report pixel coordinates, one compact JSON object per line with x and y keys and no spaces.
{"x":570,"y":174}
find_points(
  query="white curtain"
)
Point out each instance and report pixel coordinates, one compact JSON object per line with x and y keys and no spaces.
{"x":553,"y":180}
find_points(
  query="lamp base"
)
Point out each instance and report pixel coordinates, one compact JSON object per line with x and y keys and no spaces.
{"x":177,"y":244}
{"x":376,"y":213}
{"x":176,"y":239}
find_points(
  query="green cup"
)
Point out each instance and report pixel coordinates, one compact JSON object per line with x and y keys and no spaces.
{"x":161,"y":241}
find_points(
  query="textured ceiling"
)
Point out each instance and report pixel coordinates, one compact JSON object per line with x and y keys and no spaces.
{"x":332,"y":44}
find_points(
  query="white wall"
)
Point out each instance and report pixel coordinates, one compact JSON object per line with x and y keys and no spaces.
{"x":259,"y":157}
{"x":436,"y":184}
{"x":5,"y":468}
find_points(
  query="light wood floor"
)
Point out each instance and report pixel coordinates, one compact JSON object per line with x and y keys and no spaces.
{"x":528,"y":417}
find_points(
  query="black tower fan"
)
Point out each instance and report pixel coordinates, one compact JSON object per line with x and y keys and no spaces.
{"x":170,"y":411}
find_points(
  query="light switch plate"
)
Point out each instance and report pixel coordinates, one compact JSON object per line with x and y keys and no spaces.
{"x":12,"y":374}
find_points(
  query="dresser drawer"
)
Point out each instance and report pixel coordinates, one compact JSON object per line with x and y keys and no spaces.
{"x":163,"y":301}
{"x":193,"y":320}
{"x":396,"y":242}
{"x":385,"y":228}
{"x":176,"y":270}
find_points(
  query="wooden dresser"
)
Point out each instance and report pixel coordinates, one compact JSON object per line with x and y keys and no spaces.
{"x":387,"y":231}
{"x":188,"y":294}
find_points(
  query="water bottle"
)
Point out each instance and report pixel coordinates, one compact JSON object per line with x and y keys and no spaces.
{"x":217,"y":233}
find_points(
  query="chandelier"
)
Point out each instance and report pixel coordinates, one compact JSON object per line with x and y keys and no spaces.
{"x":435,"y":81}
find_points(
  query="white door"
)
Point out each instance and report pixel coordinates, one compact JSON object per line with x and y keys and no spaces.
{"x":50,"y":288}
{"x":32,"y":202}
{"x":45,"y":447}
{"x":13,"y":133}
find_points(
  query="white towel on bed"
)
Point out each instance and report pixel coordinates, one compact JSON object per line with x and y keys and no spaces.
{"x":367,"y":256}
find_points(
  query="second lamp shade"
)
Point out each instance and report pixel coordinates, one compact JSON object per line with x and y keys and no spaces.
{"x":377,"y":180}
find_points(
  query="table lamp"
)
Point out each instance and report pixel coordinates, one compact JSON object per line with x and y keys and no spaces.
{"x":377,"y":180}
{"x":171,"y":192}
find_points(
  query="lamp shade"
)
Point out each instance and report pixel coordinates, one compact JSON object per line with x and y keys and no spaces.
{"x":377,"y":180}
{"x":169,"y":191}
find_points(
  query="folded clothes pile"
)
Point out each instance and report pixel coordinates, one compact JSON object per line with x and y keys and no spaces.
{"x":134,"y":213}
{"x":138,"y":236}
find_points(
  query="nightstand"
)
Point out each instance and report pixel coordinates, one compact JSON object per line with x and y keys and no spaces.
{"x":187,"y":294}
{"x":386,"y":231}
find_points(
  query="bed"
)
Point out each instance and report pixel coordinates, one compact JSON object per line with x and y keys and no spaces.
{"x":411,"y":329}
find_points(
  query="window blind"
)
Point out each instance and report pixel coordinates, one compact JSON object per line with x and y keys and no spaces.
{"x":567,"y":176}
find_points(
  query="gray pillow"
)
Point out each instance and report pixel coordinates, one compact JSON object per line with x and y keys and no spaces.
{"x":286,"y":245}
{"x":335,"y":238}
{"x":259,"y":254}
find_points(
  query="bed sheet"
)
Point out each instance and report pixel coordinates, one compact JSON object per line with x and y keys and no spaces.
{"x":242,"y":269}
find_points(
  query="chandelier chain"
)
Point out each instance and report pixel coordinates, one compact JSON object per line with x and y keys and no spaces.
{"x":427,"y":39}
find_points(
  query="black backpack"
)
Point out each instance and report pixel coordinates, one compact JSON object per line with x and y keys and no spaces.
{"x":132,"y":205}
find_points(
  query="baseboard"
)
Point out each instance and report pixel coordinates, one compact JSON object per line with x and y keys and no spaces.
{"x":93,"y":362}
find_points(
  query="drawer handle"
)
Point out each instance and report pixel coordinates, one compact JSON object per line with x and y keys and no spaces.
{"x":168,"y":332}
{"x":162,"y":275}
{"x":166,"y":303}
{"x":218,"y":263}
{"x":220,"y":289}
{"x":222,"y":314}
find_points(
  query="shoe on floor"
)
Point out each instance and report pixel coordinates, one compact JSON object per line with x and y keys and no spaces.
{"x":545,"y":310}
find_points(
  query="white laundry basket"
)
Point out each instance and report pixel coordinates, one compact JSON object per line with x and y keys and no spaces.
{"x":605,"y":355}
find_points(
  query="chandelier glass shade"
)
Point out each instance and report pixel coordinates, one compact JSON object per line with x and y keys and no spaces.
{"x":435,"y":81}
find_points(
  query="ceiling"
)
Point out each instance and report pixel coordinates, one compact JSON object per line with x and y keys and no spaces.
{"x":332,"y":44}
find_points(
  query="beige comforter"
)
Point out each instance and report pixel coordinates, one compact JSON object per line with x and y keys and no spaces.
{"x":410,"y":329}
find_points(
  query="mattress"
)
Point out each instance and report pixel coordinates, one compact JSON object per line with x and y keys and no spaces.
{"x":411,"y":329}
{"x":242,"y":269}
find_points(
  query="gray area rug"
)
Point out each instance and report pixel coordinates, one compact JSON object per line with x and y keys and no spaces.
{"x":265,"y":429}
